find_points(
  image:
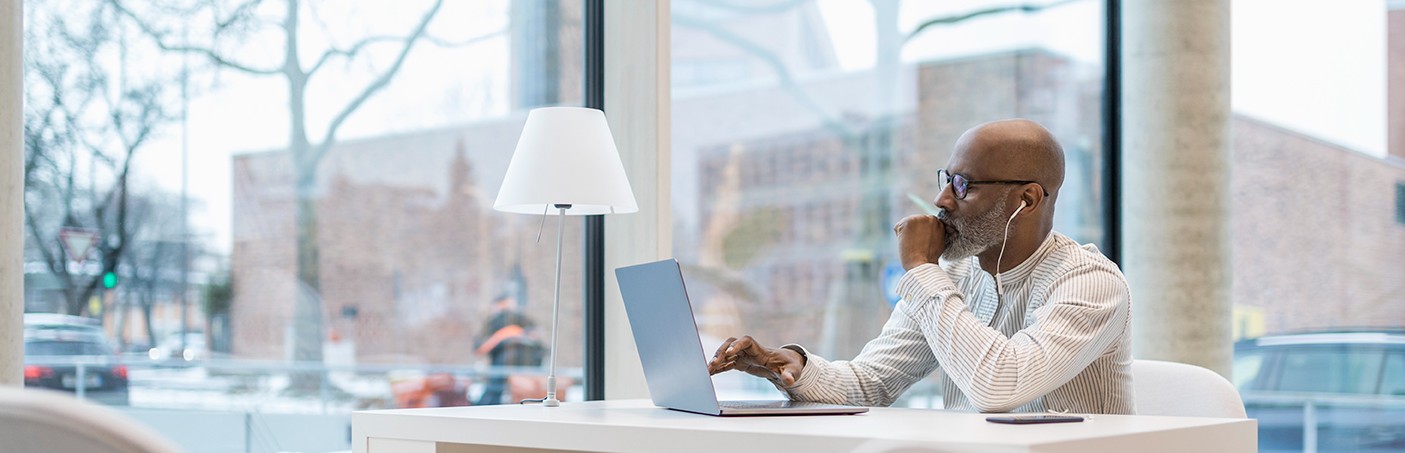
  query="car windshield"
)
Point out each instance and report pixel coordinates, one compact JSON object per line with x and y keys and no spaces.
{"x":63,"y":348}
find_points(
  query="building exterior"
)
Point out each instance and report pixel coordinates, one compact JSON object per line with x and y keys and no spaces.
{"x":411,"y":250}
{"x":1316,"y":241}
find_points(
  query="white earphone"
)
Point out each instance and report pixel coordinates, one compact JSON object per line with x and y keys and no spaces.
{"x":998,"y":289}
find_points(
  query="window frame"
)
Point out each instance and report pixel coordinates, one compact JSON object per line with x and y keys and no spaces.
{"x":593,"y":26}
{"x":593,"y":368}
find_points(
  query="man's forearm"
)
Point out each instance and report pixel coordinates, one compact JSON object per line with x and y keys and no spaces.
{"x":888,"y":365}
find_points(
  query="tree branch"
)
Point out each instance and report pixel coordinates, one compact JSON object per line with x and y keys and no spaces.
{"x":54,"y":266}
{"x":356,"y":48}
{"x":748,"y":8}
{"x":787,"y":81}
{"x":948,"y":20}
{"x":160,"y":40}
{"x":349,"y":52}
{"x":310,"y":164}
{"x":240,"y":12}
{"x":441,"y":42}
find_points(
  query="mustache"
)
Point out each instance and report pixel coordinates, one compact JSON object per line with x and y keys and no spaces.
{"x":949,"y":224}
{"x":951,"y":221}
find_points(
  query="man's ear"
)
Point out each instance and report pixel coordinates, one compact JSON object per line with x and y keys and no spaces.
{"x":1033,"y":197}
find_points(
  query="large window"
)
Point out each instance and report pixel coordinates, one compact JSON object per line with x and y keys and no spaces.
{"x":1318,"y":155}
{"x":802,"y":131}
{"x":269,"y":207}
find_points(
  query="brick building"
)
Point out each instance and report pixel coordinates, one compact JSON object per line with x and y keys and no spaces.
{"x":1316,"y":241}
{"x":411,"y":250}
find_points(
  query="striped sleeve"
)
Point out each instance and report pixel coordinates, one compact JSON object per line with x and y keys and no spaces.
{"x":887,"y":366}
{"x":1086,"y":310}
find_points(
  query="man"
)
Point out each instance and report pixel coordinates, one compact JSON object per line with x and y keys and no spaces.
{"x":1016,"y":317}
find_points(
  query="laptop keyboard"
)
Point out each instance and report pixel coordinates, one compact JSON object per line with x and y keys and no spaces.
{"x":755,"y":404}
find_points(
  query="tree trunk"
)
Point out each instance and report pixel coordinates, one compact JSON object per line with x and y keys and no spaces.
{"x":307,"y":312}
{"x":307,"y":317}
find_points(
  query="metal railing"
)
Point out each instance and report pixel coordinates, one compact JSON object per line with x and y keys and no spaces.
{"x":339,"y":388}
{"x":252,"y":405}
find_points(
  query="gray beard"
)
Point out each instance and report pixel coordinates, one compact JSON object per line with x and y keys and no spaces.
{"x":975,"y":235}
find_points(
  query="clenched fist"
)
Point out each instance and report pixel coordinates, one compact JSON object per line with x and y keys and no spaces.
{"x":921,"y":240}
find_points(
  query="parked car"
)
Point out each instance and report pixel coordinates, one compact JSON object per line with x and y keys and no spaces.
{"x":171,"y":347}
{"x":1355,"y":381}
{"x":52,"y":359}
{"x":54,"y":322}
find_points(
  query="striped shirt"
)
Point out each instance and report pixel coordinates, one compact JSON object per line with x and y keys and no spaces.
{"x":1060,"y":341}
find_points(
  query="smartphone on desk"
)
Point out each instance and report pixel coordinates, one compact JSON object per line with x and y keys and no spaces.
{"x":1031,"y":419}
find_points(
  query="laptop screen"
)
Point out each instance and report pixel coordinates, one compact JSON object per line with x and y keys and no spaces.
{"x":656,"y":301}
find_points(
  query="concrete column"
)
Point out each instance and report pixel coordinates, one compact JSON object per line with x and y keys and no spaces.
{"x":11,"y":193}
{"x":638,"y":105}
{"x":1175,"y":179}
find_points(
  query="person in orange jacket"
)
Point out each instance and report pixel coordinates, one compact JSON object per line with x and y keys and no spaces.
{"x":510,"y":341}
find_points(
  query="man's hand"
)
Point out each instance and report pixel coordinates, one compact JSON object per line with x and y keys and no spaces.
{"x":744,"y":354}
{"x":921,"y":240}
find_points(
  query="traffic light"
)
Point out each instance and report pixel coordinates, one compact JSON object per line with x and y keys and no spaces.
{"x":109,"y":280}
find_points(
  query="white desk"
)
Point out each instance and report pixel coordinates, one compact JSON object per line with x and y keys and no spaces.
{"x":636,"y":425}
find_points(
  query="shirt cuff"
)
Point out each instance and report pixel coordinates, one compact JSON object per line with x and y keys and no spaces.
{"x":804,"y":355}
{"x":807,"y":374}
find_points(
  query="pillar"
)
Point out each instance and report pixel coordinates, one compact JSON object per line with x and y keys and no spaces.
{"x":1176,"y":179}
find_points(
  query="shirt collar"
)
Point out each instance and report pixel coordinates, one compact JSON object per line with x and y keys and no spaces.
{"x":1024,"y":270}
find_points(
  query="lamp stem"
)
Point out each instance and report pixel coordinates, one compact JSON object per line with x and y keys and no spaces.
{"x":551,"y":400}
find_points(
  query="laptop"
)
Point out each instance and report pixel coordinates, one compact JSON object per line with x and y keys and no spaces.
{"x":656,"y":302}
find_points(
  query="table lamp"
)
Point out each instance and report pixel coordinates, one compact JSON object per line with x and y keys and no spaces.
{"x":565,"y":160}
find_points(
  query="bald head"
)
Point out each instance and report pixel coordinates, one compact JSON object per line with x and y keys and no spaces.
{"x":1013,"y":149}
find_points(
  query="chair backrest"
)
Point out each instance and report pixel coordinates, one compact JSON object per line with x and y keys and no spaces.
{"x":1171,"y":388}
{"x":44,"y":421}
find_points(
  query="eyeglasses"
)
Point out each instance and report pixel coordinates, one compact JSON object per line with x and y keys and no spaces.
{"x":960,"y":184}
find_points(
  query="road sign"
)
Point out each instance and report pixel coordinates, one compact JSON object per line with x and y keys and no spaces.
{"x":78,"y":242}
{"x":891,"y":274}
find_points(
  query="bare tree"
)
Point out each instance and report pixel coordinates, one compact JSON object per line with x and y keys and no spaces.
{"x":286,"y":24}
{"x":86,"y":118}
{"x":153,"y":263}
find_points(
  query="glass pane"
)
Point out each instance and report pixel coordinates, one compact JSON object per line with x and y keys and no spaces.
{"x":802,"y":131}
{"x":1330,"y":370}
{"x":1318,"y":134}
{"x":1393,"y":376}
{"x":1246,"y":368}
{"x":276,"y":208}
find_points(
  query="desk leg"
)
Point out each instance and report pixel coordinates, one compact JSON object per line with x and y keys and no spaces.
{"x":378,"y":445}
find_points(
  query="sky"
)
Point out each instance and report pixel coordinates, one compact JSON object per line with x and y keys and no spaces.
{"x":1073,"y":29}
{"x":1308,"y":65}
{"x":1313,"y":66}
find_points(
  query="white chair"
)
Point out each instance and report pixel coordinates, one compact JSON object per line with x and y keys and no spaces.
{"x":1178,"y":389}
{"x":46,"y":421}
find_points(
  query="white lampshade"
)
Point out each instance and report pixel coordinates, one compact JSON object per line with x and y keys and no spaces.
{"x":566,"y":155}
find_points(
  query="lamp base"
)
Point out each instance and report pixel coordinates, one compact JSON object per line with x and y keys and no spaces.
{"x":550,"y":400}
